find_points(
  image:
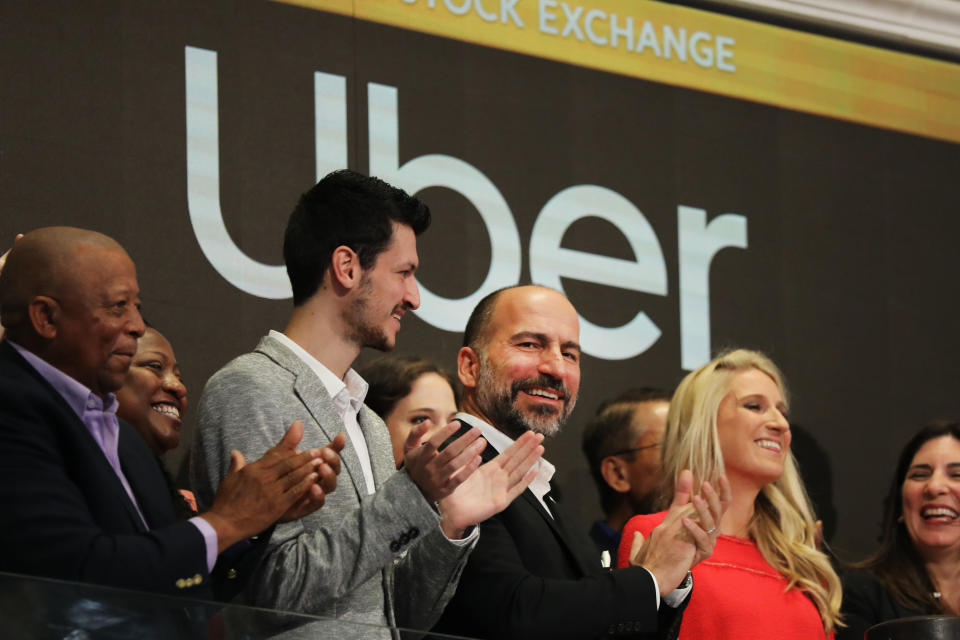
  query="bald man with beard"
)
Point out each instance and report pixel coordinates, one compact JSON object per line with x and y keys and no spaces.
{"x":534,"y":573}
{"x":81,"y":496}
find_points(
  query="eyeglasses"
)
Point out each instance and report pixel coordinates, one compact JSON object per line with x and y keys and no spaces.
{"x":633,"y":449}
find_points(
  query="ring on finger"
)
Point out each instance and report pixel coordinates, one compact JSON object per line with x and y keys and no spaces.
{"x":710,"y":530}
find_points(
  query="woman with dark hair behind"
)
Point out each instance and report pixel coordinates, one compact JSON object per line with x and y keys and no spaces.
{"x":407,"y":391}
{"x":916,"y":570}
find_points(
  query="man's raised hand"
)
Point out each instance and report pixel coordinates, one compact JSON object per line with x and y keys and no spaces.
{"x":283,"y":482}
{"x":438,"y":473}
{"x":325,"y":484}
{"x":493,"y":487}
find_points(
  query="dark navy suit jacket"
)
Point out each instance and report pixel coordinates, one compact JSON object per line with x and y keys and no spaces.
{"x":535,"y":576}
{"x":63,"y":511}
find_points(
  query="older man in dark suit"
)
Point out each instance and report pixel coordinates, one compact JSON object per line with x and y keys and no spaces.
{"x":533,"y":573}
{"x":81,"y":496}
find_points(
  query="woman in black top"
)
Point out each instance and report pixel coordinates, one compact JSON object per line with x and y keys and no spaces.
{"x":916,"y":570}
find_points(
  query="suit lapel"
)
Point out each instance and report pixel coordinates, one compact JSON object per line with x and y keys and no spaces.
{"x":90,"y":450}
{"x":146,"y":479}
{"x":379,"y":445}
{"x":318,"y":402}
{"x":575,"y":540}
{"x":311,"y":392}
{"x":97,"y":457}
{"x":557,"y":522}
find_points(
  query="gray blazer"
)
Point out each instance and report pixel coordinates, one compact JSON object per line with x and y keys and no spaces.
{"x":375,"y":559}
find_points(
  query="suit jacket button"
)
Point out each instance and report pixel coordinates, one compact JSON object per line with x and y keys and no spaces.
{"x":394,"y":546}
{"x":404,"y":539}
{"x":197,"y":578}
{"x":414,"y":532}
{"x":181,"y":583}
{"x":231,"y":574}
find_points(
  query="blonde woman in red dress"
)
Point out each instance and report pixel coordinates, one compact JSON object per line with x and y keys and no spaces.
{"x":766,"y":578}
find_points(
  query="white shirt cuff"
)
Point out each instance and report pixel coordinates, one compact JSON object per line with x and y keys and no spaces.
{"x":467,"y":539}
{"x":675,"y":597}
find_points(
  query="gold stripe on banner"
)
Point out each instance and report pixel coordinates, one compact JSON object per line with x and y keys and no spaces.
{"x":698,"y":50}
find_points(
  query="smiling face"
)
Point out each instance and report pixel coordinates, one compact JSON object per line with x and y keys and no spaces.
{"x":99,"y":319}
{"x":527,"y":375}
{"x":387,"y":290}
{"x":931,"y":497}
{"x":430,"y":401}
{"x":153,"y":397}
{"x":753,"y":430}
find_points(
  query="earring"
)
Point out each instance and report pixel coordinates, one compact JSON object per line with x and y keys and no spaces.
{"x":900,"y":519}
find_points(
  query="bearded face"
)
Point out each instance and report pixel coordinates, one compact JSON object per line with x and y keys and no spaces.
{"x":539,"y":403}
{"x":386,"y":291}
{"x":365,"y":323}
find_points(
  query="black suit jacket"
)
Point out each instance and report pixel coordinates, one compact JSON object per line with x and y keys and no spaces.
{"x":866,"y":602}
{"x":63,"y":511}
{"x":536,"y":576}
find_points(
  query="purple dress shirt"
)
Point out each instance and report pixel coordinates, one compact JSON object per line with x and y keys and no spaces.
{"x":99,"y":416}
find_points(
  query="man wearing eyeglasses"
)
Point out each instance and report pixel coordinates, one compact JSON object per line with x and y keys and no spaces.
{"x":622,"y":447}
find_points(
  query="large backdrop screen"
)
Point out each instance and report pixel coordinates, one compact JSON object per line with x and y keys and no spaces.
{"x":690,"y":181}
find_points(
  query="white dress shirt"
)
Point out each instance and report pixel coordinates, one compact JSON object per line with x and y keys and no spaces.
{"x":348,"y":395}
{"x":501,"y":442}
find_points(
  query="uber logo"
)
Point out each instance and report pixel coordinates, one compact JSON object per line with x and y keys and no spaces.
{"x":549,"y":262}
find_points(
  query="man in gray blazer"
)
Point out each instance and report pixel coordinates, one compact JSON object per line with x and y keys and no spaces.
{"x":389,"y":546}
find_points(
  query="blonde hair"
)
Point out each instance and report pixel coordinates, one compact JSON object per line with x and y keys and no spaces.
{"x":783,"y":524}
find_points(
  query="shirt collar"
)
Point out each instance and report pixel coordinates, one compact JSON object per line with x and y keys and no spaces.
{"x":77,"y":395}
{"x":501,"y":442}
{"x":353,"y":385}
